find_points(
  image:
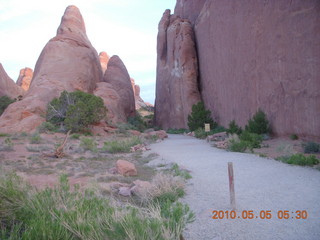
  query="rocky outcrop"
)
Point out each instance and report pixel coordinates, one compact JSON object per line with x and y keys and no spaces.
{"x":177,"y":72}
{"x":256,"y":54}
{"x":24,"y":79}
{"x":116,"y":91}
{"x":104,"y":59}
{"x":189,"y":9}
{"x":7,"y":85}
{"x":67,"y":62}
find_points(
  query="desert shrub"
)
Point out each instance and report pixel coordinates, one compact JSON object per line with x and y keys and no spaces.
{"x":75,"y":136}
{"x":253,"y":140}
{"x":237,"y":145}
{"x":258,"y":124}
{"x":199,"y":116}
{"x":88,"y":144}
{"x":299,"y":159}
{"x":35,"y":138}
{"x":7,"y":145}
{"x":200,"y":133}
{"x":311,"y":147}
{"x":234,"y":128}
{"x":65,"y":213}
{"x":176,"y":131}
{"x":4,"y":103}
{"x":121,"y":146}
{"x":294,"y":137}
{"x":47,"y":127}
{"x":177,"y":171}
{"x":76,"y":110}
{"x":137,"y":122}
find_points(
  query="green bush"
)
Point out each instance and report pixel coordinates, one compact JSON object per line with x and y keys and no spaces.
{"x":199,"y":116}
{"x":234,"y":128}
{"x":76,"y":110}
{"x":311,"y":147}
{"x":47,"y":127}
{"x":4,"y":103}
{"x":35,"y":138}
{"x":88,"y":144}
{"x":123,"y":146}
{"x":294,"y":137}
{"x":238,"y":146}
{"x":258,"y":124}
{"x":200,"y":133}
{"x":137,"y":122}
{"x":254,"y":140}
{"x":299,"y":159}
{"x":176,"y":131}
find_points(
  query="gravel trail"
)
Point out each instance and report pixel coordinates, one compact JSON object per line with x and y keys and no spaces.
{"x":260,"y":184}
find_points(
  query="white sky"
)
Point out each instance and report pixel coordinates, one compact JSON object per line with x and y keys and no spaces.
{"x":127,"y":28}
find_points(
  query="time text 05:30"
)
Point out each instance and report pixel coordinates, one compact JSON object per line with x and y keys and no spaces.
{"x":263,"y":214}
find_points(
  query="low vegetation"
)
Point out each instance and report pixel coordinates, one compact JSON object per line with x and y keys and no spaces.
{"x":75,"y":111}
{"x":199,"y":116}
{"x":234,"y":128}
{"x":299,"y":159}
{"x":65,"y":213}
{"x":311,"y":147}
{"x":121,"y":146}
{"x":7,"y":145}
{"x":4,"y":103}
{"x":202,"y":134}
{"x":258,"y":124}
{"x":177,"y":131}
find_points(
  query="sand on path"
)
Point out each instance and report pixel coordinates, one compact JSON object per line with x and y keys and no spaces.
{"x":261,"y":185}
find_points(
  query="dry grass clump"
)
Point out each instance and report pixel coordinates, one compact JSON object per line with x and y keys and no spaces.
{"x":164,"y":187}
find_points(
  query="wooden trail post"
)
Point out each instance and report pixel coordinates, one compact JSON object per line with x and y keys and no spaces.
{"x":231,"y":186}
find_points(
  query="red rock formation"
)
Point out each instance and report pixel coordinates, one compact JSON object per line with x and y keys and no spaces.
{"x":189,"y":9}
{"x":25,"y":77}
{"x":258,"y":54}
{"x":116,"y":91}
{"x":7,"y":85}
{"x":67,"y":62}
{"x":177,"y":72}
{"x":104,"y":59}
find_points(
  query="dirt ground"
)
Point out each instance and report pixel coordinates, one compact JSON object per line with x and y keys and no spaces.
{"x":84,"y":167}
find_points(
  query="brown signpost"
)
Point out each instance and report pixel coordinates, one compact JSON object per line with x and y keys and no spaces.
{"x":231,"y":186}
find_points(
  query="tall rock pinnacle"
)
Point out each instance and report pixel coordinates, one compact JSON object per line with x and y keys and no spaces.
{"x":67,"y":62}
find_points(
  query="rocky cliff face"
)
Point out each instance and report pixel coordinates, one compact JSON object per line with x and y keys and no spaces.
{"x":177,"y":72}
{"x":24,"y":79}
{"x":7,"y":85}
{"x":67,"y":62}
{"x":255,"y":54}
{"x":116,"y":91}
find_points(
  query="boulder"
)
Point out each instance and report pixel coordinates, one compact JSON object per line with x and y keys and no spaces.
{"x":124,"y":191}
{"x":67,"y":62}
{"x":177,"y":72}
{"x":8,"y":87}
{"x":140,"y":187}
{"x":24,"y":79}
{"x":126,"y":168}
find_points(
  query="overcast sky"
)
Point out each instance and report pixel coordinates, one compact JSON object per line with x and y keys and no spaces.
{"x":127,"y":28}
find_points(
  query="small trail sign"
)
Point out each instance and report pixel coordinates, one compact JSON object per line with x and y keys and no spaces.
{"x":207,"y":127}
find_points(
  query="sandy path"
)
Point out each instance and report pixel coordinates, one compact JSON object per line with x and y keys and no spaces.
{"x":260,"y":184}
